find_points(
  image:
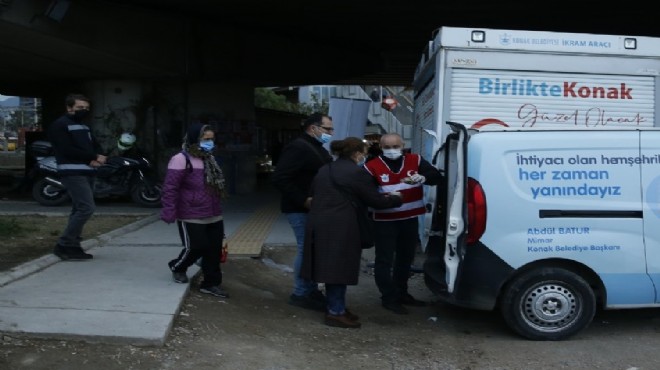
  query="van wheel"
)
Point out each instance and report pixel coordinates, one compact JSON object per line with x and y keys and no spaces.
{"x":548,"y":304}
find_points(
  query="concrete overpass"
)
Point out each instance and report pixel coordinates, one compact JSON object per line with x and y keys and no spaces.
{"x":262,"y":43}
{"x":152,"y":66}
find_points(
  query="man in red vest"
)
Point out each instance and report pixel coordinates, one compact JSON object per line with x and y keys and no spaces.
{"x":396,"y":229}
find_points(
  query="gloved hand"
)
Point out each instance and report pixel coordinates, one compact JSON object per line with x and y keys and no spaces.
{"x":418,"y":179}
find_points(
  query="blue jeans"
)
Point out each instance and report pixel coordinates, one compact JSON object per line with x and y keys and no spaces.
{"x":301,"y":287}
{"x":80,"y":189}
{"x":336,"y":294}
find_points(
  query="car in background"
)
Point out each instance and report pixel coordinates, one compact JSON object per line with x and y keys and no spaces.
{"x":8,"y":143}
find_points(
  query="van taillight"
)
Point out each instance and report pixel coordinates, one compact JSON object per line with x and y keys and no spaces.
{"x":476,"y":210}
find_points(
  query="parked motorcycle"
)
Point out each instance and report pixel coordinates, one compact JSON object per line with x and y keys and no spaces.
{"x":118,"y":177}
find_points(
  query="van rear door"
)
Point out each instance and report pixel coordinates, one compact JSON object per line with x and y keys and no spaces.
{"x":446,"y":245}
{"x":650,"y":147}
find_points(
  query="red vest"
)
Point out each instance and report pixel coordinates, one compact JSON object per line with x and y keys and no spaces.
{"x":389,"y":181}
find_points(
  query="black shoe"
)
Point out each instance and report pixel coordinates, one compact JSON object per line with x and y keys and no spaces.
{"x":318,"y":296}
{"x":306,"y":302}
{"x":395,"y":307}
{"x":180,"y":277}
{"x":79,"y":253}
{"x":215,"y":291}
{"x":409,"y":300}
{"x":71,"y":253}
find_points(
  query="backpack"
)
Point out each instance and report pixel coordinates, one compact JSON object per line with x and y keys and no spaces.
{"x":188,"y":163}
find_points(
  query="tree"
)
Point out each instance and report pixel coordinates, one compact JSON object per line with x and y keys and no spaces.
{"x":269,"y":99}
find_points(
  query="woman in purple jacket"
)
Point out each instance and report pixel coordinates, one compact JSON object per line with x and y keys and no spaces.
{"x":191,"y":195}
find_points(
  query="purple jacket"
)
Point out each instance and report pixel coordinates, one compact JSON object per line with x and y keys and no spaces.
{"x":185,"y":195}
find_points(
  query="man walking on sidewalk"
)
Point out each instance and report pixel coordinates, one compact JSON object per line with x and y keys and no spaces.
{"x":78,"y":154}
{"x":295,"y":170}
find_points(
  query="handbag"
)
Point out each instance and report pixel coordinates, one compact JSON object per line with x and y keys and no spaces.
{"x":365,"y":225}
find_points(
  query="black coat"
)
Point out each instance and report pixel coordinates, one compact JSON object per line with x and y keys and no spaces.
{"x":332,"y":238}
{"x":74,"y":146}
{"x":295,"y":170}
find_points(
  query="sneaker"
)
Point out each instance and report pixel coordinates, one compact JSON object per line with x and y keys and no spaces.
{"x":180,"y":277}
{"x":214,"y":291}
{"x":341,"y":321}
{"x":409,"y":300}
{"x":395,"y":307}
{"x":306,"y":302}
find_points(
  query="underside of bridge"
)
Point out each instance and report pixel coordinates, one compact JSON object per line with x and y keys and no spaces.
{"x":263,"y":43}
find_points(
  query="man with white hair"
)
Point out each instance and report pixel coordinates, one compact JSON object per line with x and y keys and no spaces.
{"x":396,"y":232}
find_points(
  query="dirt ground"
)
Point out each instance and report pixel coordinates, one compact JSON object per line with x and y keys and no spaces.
{"x":256,"y":329}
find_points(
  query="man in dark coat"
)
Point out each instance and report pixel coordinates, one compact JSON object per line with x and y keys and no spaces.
{"x":296,"y":167}
{"x":78,"y":156}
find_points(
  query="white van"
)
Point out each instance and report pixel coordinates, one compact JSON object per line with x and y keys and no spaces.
{"x":552,"y":203}
{"x":547,"y":225}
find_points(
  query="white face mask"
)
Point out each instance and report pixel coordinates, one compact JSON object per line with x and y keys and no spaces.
{"x":392,"y":153}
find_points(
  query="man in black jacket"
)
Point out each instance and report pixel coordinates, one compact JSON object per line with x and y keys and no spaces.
{"x":295,"y":170}
{"x":78,"y":155}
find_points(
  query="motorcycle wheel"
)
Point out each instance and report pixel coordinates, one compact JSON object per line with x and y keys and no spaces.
{"x":147,"y":196}
{"x":48,"y":194}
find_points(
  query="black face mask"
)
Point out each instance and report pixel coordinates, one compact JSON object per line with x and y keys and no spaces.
{"x":79,"y":115}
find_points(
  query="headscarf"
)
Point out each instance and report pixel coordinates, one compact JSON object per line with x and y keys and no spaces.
{"x":213,"y":175}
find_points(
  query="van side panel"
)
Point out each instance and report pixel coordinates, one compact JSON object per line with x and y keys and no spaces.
{"x":566,"y":195}
{"x":650,"y":182}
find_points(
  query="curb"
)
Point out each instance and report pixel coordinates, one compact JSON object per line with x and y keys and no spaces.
{"x":36,"y":265}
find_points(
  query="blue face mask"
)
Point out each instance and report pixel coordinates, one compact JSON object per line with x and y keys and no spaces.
{"x":362,"y":162}
{"x":325,"y":138}
{"x":206,"y":145}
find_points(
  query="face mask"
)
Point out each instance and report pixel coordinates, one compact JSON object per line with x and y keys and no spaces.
{"x":207,"y":145}
{"x":325,"y":138}
{"x":362,"y":162}
{"x":392,"y":153}
{"x":79,"y":115}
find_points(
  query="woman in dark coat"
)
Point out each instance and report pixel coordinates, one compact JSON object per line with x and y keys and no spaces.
{"x":333,"y":246}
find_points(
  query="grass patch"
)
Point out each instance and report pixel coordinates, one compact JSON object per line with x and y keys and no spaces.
{"x":11,"y":227}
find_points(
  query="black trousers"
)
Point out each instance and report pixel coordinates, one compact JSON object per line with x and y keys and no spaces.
{"x":396,"y":242}
{"x":201,"y":240}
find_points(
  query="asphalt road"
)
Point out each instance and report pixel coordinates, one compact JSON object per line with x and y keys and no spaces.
{"x":21,"y":203}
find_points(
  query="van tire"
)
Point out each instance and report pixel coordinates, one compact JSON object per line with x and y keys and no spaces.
{"x":548,"y":304}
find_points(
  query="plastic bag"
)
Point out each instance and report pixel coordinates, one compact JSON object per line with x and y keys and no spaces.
{"x":224,"y":252}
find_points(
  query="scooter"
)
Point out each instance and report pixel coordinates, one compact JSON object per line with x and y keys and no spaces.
{"x":118,"y":177}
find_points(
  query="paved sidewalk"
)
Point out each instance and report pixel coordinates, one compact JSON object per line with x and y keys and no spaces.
{"x":126,"y":293}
